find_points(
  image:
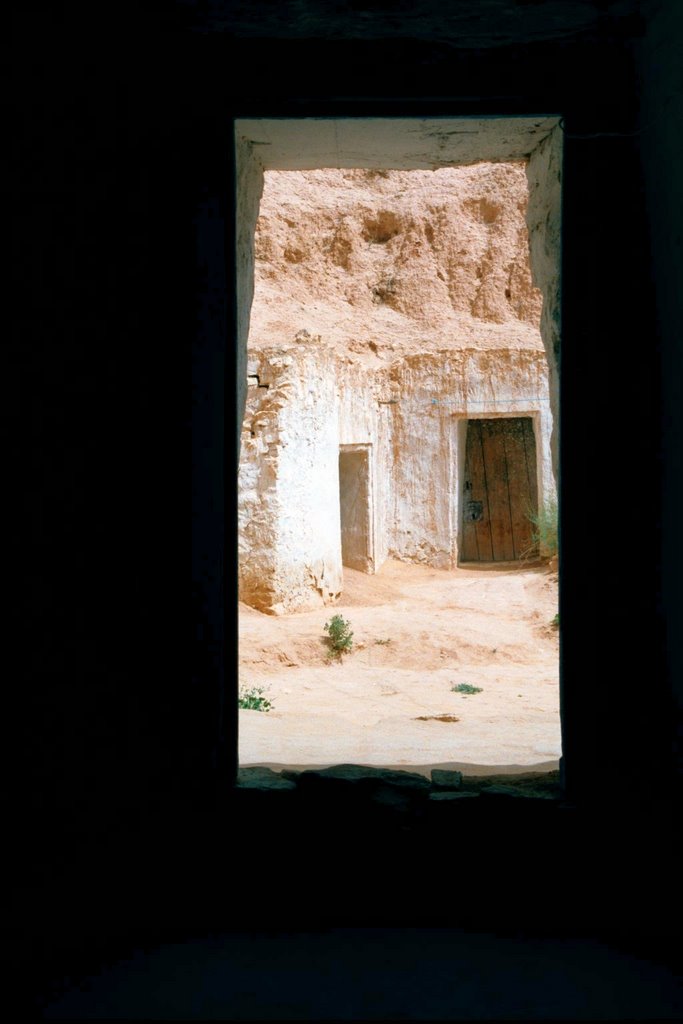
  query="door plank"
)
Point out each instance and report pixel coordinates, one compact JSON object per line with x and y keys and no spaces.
{"x":518,"y":486}
{"x":477,"y":531}
{"x":495,"y":468}
{"x":530,"y":457}
{"x":470,"y":548}
{"x":500,"y":490}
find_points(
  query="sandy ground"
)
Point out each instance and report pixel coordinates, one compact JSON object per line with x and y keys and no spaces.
{"x":417,"y":633}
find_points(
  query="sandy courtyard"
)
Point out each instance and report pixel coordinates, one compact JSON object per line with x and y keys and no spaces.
{"x":417,"y":632}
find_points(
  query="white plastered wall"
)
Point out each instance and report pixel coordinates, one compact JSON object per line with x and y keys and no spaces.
{"x":437,"y":394}
{"x":289,"y":522}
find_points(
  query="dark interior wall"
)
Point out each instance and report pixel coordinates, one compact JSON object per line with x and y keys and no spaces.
{"x":661,"y":146}
{"x":123,"y":281}
{"x":122,"y":316}
{"x":119,"y":334}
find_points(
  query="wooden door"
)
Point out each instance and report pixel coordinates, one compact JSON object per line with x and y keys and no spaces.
{"x":500,"y":490}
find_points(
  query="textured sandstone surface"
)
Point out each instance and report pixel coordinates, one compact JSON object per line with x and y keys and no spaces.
{"x":376,"y":263}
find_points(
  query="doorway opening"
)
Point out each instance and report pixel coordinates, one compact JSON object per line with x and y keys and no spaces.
{"x":400,"y":432}
{"x":355,"y":507}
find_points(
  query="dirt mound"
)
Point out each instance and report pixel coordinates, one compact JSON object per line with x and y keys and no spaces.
{"x":369,"y":591}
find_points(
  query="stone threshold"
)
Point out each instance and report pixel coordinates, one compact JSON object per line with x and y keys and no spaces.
{"x":400,"y":786}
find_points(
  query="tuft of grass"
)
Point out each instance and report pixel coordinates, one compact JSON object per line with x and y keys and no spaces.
{"x":555,"y":621}
{"x":383,"y":643}
{"x":340,"y":635}
{"x":252,"y":699}
{"x":465,"y":688}
{"x":545,"y":529}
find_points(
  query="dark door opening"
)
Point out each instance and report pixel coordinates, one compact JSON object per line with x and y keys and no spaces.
{"x":500,"y":490}
{"x":354,"y":505}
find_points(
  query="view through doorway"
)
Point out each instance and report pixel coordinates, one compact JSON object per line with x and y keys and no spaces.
{"x":397,"y":473}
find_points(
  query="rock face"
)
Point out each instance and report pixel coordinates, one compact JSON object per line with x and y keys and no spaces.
{"x":390,"y":307}
{"x":371,"y":259}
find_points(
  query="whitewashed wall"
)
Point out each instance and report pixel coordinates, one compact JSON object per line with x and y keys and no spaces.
{"x":437,"y":393}
{"x":365,"y":418}
{"x":289,"y":523}
{"x":304,"y":402}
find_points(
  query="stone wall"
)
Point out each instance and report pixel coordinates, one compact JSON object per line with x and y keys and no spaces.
{"x":436,"y":394}
{"x":304,"y":402}
{"x":544,"y":222}
{"x":289,"y":540}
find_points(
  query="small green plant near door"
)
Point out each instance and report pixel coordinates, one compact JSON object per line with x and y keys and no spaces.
{"x":544,"y":528}
{"x":340,"y":635}
{"x":555,"y":621}
{"x":465,"y":688}
{"x":252,"y":699}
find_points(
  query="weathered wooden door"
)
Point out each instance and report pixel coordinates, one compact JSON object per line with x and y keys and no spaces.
{"x":500,"y":490}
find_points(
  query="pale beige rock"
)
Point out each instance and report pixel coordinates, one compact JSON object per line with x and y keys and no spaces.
{"x":409,"y":259}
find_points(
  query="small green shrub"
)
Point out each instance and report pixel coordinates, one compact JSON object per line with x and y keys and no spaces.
{"x":465,"y":688}
{"x":340,"y":635}
{"x":252,"y":699}
{"x":544,"y":528}
{"x":555,"y":621}
{"x":383,"y":643}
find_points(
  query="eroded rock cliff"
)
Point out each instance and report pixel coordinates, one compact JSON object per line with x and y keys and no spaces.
{"x":381,"y":262}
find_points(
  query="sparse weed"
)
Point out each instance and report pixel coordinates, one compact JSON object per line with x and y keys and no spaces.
{"x":544,"y":528}
{"x":252,"y":699}
{"x":555,"y":621}
{"x":383,"y":643}
{"x":465,"y":688}
{"x":340,"y":635}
